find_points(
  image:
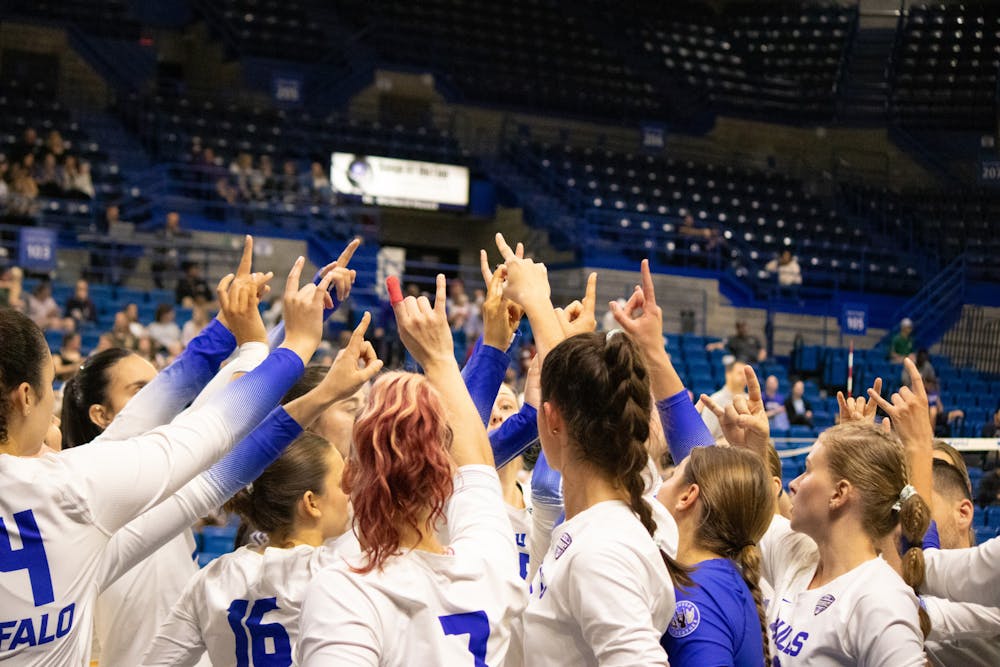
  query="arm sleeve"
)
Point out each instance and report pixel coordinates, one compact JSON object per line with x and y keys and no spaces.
{"x":683,"y":427}
{"x":178,"y":642}
{"x":339,"y":625}
{"x":515,"y":435}
{"x":248,"y":357}
{"x":711,"y":643}
{"x":951,"y":621}
{"x":245,"y":463}
{"x":885,"y":634}
{"x":477,"y":519}
{"x":164,"y":398}
{"x":483,"y":375}
{"x":547,"y":507}
{"x":119,"y":481}
{"x":979,"y":567}
{"x":609,"y":602}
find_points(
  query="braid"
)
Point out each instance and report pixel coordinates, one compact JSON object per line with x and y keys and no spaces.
{"x":914,"y":519}
{"x":749,"y":558}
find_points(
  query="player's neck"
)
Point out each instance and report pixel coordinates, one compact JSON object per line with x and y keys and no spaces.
{"x":689,"y":551}
{"x":409,"y":539}
{"x":512,"y":493}
{"x":583,"y":488}
{"x":843,"y":549}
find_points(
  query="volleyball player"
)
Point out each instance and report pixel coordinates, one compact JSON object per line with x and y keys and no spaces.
{"x":61,"y":509}
{"x":409,"y":599}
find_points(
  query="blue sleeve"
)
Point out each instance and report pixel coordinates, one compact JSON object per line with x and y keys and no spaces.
{"x":276,"y":336}
{"x":932,"y":539}
{"x":252,"y":455}
{"x":683,"y":427}
{"x":546,"y":484}
{"x":248,"y":400}
{"x":175,"y":387}
{"x":515,"y":435}
{"x":699,"y":632}
{"x":483,"y":375}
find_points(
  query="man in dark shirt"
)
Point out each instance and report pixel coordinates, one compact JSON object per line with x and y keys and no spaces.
{"x":746,"y":348}
{"x":192,"y":288}
{"x":80,"y":307}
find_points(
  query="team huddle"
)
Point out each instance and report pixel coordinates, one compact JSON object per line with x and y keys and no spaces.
{"x":412,"y":519}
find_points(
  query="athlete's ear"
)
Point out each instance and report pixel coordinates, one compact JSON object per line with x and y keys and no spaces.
{"x":99,"y":415}
{"x":688,"y":497}
{"x":841,"y":491}
{"x":23,"y":397}
{"x":310,"y":505}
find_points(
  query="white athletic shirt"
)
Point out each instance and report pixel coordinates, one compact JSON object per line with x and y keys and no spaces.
{"x":866,"y":617}
{"x":70,"y":504}
{"x":244,"y":604}
{"x":800,"y":548}
{"x":424,"y":608}
{"x":980,"y":578}
{"x":520,"y":521}
{"x":602,"y":595}
{"x":962,"y":633}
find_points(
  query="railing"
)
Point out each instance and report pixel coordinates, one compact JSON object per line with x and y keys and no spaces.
{"x":936,"y":307}
{"x":976,"y":340}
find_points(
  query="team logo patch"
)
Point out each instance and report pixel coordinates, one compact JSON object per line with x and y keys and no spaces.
{"x":824,"y":604}
{"x":564,"y":541}
{"x":685,"y":621}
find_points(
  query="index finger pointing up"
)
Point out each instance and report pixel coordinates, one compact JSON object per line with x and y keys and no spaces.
{"x":590,"y":296}
{"x":505,"y":249}
{"x":647,"y":282}
{"x":345,"y":257}
{"x":753,"y":385}
{"x":441,"y":295}
{"x":294,"y":276}
{"x":247,"y":259}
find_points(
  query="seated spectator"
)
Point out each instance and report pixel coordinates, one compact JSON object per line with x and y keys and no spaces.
{"x":192,"y":288}
{"x":166,"y":257}
{"x":774,"y":403}
{"x":787,"y":268}
{"x":902,"y":343}
{"x":134,"y":325}
{"x":199,"y":320}
{"x":941,"y":419}
{"x":288,"y":182}
{"x":44,"y":311}
{"x":77,"y":182}
{"x":163,"y":330}
{"x":797,"y":408}
{"x":243,"y":175}
{"x":29,"y":145}
{"x":23,"y":192}
{"x":319,"y":183}
{"x":743,"y":346}
{"x":80,"y":307}
{"x":10,"y":289}
{"x":988,"y":492}
{"x":69,"y":357}
{"x":992,"y":429}
{"x":49,"y":177}
{"x":55,"y":145}
{"x":147,"y":349}
{"x":926,"y":368}
{"x":121,"y":335}
{"x":702,"y":230}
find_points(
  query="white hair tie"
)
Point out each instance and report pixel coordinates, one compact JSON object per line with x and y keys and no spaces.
{"x":904,"y":495}
{"x":613,"y":332}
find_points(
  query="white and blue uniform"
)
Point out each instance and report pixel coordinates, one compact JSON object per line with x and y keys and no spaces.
{"x":979,"y":566}
{"x":962,"y":633}
{"x":60,"y":511}
{"x":424,"y":608}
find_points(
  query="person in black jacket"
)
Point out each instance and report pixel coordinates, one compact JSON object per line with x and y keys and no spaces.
{"x":797,"y":408}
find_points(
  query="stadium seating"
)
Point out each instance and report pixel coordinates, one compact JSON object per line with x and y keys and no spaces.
{"x":276,"y":29}
{"x":110,"y":18}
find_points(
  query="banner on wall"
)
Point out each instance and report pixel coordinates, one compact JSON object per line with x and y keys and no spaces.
{"x":386,"y":181}
{"x":37,"y":249}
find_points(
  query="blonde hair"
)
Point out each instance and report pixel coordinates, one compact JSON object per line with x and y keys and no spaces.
{"x":738,"y":505}
{"x":874,"y":462}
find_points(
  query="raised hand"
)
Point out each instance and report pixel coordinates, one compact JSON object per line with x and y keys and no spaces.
{"x":239,"y":303}
{"x":484,"y":262}
{"x":578,"y":317}
{"x":424,"y":329}
{"x":355,"y":364}
{"x":343,"y":277}
{"x":533,"y":384}
{"x":303,"y":312}
{"x":857,"y":409}
{"x":501,"y":316}
{"x":243,"y":275}
{"x":646,"y":328}
{"x":744,"y":423}
{"x":527,"y":281}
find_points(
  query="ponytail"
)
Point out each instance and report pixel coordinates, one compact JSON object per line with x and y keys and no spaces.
{"x":749,"y":561}
{"x":914,"y":519}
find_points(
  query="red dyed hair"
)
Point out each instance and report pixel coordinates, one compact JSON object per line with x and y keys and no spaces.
{"x":399,"y":473}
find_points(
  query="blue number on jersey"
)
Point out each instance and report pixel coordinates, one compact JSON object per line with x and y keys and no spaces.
{"x":280,"y":653}
{"x":476,"y":625}
{"x":524,"y":565}
{"x":30,"y":557}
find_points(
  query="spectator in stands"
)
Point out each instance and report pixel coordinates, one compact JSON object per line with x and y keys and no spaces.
{"x":77,"y":182}
{"x":192,"y":288}
{"x":44,"y":311}
{"x":787,"y":268}
{"x":23,"y":192}
{"x":55,"y":146}
{"x":80,"y":307}
{"x":28,"y":144}
{"x":148,"y":350}
{"x":69,"y":358}
{"x":49,"y":177}
{"x":263,"y":182}
{"x":135,"y":327}
{"x":941,"y":419}
{"x":165,"y":254}
{"x":743,"y":346}
{"x":121,"y":335}
{"x":797,"y":408}
{"x":774,"y":403}
{"x":988,"y":492}
{"x":199,"y":320}
{"x":702,"y":230}
{"x":288,"y":182}
{"x":242,"y":175}
{"x":991,"y":429}
{"x":163,"y":330}
{"x":926,"y":368}
{"x":10,"y":288}
{"x":902,"y":344}
{"x":319,"y":183}
{"x":735,"y":384}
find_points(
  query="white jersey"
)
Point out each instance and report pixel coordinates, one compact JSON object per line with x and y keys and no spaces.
{"x":602,"y":595}
{"x":520,"y":521}
{"x":865,"y":617}
{"x":424,"y":608}
{"x":979,"y":566}
{"x":798,"y":546}
{"x":57,"y":514}
{"x":244,"y":604}
{"x":962,"y":633}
